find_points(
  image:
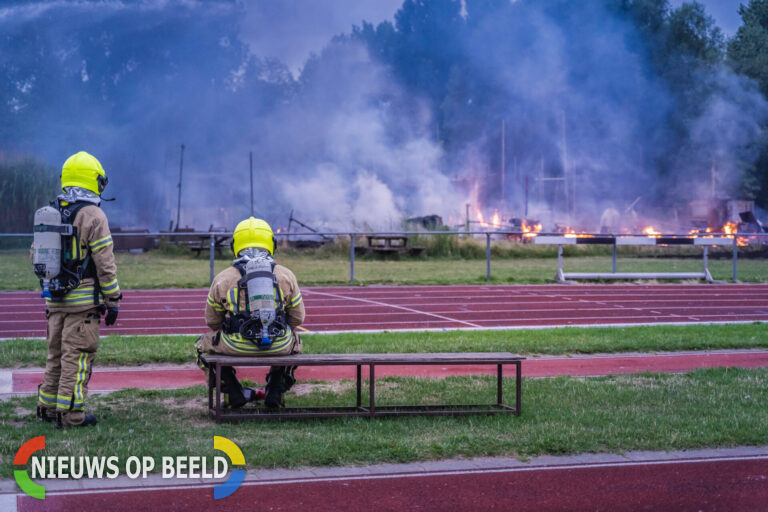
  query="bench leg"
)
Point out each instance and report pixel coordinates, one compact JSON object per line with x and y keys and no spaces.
{"x":359,"y":381}
{"x":372,"y":388}
{"x":217,"y":416}
{"x":499,"y":386}
{"x":518,"y":386}
{"x":210,"y":384}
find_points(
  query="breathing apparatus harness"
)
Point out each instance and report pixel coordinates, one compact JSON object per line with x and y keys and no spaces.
{"x":261,"y":326}
{"x":73,"y":268}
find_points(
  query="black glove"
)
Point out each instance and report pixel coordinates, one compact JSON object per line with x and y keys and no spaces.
{"x":111,"y":317}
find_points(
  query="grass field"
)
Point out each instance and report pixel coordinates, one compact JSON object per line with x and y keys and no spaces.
{"x":136,"y":350}
{"x":705,"y":408}
{"x":160,"y":270}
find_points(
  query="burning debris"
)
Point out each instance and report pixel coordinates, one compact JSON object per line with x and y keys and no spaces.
{"x":715,"y":218}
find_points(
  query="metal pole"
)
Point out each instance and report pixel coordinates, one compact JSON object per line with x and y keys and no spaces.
{"x":487,"y":256}
{"x":526,"y":195}
{"x":503,"y":173}
{"x":706,"y":260}
{"x":250,"y":155}
{"x":565,"y":170}
{"x":351,"y":257}
{"x":467,"y":217}
{"x":735,"y":259}
{"x":212,"y":246}
{"x":614,"y":256}
{"x":181,"y":170}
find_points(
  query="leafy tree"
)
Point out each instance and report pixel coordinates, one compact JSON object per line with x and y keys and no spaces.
{"x":25,"y":185}
{"x":693,"y":34}
{"x":748,"y":55}
{"x":748,"y":49}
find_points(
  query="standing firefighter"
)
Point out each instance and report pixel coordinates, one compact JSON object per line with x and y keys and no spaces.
{"x":73,"y":256}
{"x":253,"y":309}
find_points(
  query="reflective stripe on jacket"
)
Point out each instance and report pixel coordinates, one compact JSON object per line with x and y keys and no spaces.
{"x":95,"y":243}
{"x":222,"y":298}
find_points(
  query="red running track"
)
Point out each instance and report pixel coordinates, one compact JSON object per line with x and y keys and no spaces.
{"x":375,"y":308}
{"x":729,"y":484}
{"x":25,"y":381}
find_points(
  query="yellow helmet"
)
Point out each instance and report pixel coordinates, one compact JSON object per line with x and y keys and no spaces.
{"x":83,"y":170}
{"x":253,"y":232}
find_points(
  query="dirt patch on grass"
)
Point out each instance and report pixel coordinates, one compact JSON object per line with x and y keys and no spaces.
{"x":183,"y":403}
{"x":337,"y":388}
{"x":21,"y":412}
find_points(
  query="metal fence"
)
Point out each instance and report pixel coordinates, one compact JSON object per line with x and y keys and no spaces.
{"x":218,"y":239}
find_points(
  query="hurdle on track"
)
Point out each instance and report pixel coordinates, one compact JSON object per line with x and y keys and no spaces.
{"x":560,"y":240}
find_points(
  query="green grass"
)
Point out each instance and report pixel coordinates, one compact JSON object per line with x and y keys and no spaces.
{"x":134,"y":350}
{"x":706,"y":408}
{"x":160,"y":269}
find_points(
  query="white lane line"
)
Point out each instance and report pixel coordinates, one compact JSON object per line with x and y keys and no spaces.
{"x":8,"y":502}
{"x":421,"y":474}
{"x":694,"y":313}
{"x":317,"y":328}
{"x":522,"y":327}
{"x":403,"y":308}
{"x":694,"y":303}
{"x":6,"y":384}
{"x":526,"y":327}
{"x":551,"y":321}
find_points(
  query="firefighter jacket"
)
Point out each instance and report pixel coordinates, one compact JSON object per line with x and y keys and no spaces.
{"x":93,"y":240}
{"x":223,"y":300}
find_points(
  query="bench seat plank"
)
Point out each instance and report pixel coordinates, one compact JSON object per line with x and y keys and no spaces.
{"x":365,"y":359}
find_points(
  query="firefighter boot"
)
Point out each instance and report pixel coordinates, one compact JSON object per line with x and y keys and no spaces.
{"x":279,"y":380}
{"x":44,"y":414}
{"x":232,"y":389}
{"x":89,"y":420}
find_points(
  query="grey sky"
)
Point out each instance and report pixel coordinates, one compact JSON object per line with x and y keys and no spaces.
{"x":725,"y":13}
{"x":290,"y":30}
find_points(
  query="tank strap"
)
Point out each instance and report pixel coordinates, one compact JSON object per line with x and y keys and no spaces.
{"x":277,"y":288}
{"x":64,"y":229}
{"x":69,"y":212}
{"x":86,"y":266}
{"x":242,"y":284}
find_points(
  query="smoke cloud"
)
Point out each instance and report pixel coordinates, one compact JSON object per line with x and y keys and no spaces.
{"x":342,"y":132}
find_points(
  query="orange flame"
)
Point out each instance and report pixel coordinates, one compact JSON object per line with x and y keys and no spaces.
{"x":731,"y":228}
{"x":651,"y":232}
{"x":496,"y":220}
{"x":530,"y":231}
{"x":571,"y":233}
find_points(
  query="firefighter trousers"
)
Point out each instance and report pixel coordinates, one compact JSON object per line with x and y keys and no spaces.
{"x":209,"y":343}
{"x":72,"y":342}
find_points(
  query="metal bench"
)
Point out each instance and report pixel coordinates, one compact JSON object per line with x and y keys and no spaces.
{"x":389,"y":244}
{"x":369,"y":410}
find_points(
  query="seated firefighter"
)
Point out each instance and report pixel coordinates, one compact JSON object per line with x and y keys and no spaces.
{"x":253,"y":309}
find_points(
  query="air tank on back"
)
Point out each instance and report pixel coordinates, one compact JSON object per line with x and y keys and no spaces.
{"x":46,"y":246}
{"x":261,"y":294}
